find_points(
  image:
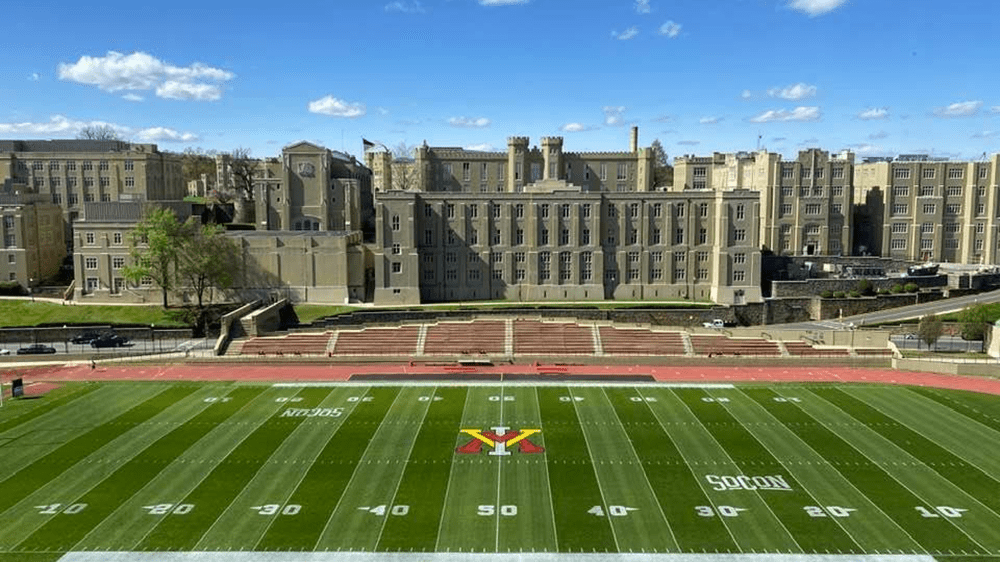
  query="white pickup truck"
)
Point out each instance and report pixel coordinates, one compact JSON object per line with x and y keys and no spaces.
{"x":717,"y":323}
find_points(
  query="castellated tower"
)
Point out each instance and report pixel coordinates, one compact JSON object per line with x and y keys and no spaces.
{"x":516,"y":149}
{"x":552,"y":153}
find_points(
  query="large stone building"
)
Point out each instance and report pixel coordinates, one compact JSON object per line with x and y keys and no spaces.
{"x":33,"y":241}
{"x":73,"y":172}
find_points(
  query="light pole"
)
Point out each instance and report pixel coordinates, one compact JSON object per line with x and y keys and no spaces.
{"x":66,"y":339}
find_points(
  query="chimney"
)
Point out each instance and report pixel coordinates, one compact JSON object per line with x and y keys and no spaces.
{"x":633,"y":144}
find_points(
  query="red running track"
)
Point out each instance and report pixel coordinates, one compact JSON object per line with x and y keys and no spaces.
{"x":666,"y":373}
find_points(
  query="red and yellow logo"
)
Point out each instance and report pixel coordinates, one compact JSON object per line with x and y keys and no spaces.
{"x":499,"y":439}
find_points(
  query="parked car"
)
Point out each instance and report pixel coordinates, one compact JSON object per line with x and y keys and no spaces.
{"x":110,"y":340}
{"x":36,"y":349}
{"x":717,"y":323}
{"x":85,"y":337}
{"x":4,"y":352}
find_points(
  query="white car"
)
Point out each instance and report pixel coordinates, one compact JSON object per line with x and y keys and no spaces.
{"x":4,"y":352}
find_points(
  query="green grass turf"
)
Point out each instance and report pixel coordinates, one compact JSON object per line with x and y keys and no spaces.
{"x":33,"y":313}
{"x":129,"y":466}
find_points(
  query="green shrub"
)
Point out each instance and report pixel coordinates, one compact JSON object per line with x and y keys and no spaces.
{"x":839,"y":294}
{"x":855,"y":294}
{"x":12,"y":289}
{"x":896,"y":289}
{"x":864,"y":287}
{"x":911,"y":288}
{"x":826,"y":294}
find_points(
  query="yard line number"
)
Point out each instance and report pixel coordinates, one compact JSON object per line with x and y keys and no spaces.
{"x":941,"y":510}
{"x":274,"y":509}
{"x":613,"y":510}
{"x":721,"y":511}
{"x":55,"y":508}
{"x":380,"y":510}
{"x":169,"y":509}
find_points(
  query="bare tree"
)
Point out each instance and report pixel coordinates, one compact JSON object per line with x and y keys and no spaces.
{"x":662,"y":174}
{"x":197,"y":161}
{"x":404,"y":172}
{"x":242,"y":167}
{"x":99,"y":132}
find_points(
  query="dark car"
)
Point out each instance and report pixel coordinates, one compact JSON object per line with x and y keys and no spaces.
{"x":36,"y":349}
{"x":110,"y":340}
{"x":85,"y":338}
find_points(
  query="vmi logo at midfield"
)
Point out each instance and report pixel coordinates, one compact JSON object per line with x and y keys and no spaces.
{"x":499,"y":439}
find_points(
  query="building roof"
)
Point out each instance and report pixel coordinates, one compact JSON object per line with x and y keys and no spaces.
{"x":67,"y":145}
{"x":130,"y":211}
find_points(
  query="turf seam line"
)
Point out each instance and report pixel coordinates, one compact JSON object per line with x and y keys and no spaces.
{"x":597,"y":477}
{"x":451,"y":474}
{"x":548,"y":478}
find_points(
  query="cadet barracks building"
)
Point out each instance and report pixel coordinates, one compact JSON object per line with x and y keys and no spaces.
{"x":532,"y":223}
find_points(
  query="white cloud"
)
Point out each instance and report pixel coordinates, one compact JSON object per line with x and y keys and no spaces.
{"x":574,"y":128}
{"x":867,"y":149}
{"x":815,"y":7}
{"x":689,"y":142}
{"x":132,"y":97}
{"x":874,"y":113}
{"x":746,"y":94}
{"x":712,"y":120}
{"x":878,"y":136}
{"x":501,"y":2}
{"x":663,"y":118}
{"x":141,"y":71}
{"x":995,"y":109}
{"x":62,"y":126}
{"x":469,"y":122}
{"x":984,"y":134}
{"x":614,"y":115}
{"x":174,"y":90}
{"x":482,"y":147}
{"x":779,"y":139}
{"x":642,"y":6}
{"x":794,"y":92}
{"x":414,"y":7}
{"x":34,"y":77}
{"x":797,"y":114}
{"x":959,"y":109}
{"x":670,"y":29}
{"x":627,"y":34}
{"x":334,"y":107}
{"x":163,"y":134}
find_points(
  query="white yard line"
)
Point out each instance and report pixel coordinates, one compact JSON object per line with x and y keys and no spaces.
{"x":836,"y":520}
{"x":292,"y":489}
{"x":645,"y":477}
{"x":597,"y":478}
{"x":451,"y":474}
{"x":704,"y":490}
{"x":207,"y":473}
{"x":357,"y":467}
{"x":733,"y":463}
{"x":499,"y":467}
{"x":891,"y":475}
{"x":402,"y":473}
{"x":844,"y":478}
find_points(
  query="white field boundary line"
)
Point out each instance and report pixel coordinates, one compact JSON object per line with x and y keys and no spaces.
{"x":98,"y":556}
{"x":208,"y":473}
{"x":638,"y":462}
{"x":119,"y":463}
{"x":597,"y":478}
{"x":736,"y":467}
{"x":888,"y":443}
{"x":688,"y":465}
{"x":911,"y":428}
{"x":437,"y":383}
{"x":167,"y":466}
{"x":357,"y":468}
{"x":729,"y":410}
{"x":402,"y":473}
{"x":842,"y":476}
{"x":451,"y":474}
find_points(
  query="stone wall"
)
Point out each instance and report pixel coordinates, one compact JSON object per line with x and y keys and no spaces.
{"x":264,"y":320}
{"x":817,"y":286}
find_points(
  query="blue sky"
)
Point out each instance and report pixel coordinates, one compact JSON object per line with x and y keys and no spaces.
{"x":875,"y":76}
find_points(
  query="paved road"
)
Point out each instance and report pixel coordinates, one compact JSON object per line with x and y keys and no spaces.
{"x":896,"y":314}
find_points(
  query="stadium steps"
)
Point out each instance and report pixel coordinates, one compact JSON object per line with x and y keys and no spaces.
{"x":688,"y":347}
{"x":479,"y":337}
{"x":783,"y":349}
{"x":421,"y":339}
{"x":332,"y":344}
{"x":508,"y":337}
{"x":596,"y":334}
{"x":235,"y":347}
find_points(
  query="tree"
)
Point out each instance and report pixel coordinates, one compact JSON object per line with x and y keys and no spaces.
{"x":930,"y":329}
{"x":195,"y":162}
{"x":662,"y":174}
{"x":207,"y":258}
{"x":242,"y":167}
{"x":404,"y":173}
{"x":153,"y":246}
{"x":974,"y":321}
{"x":99,"y":132}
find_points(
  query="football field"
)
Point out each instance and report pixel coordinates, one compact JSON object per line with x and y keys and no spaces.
{"x":130,"y":471}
